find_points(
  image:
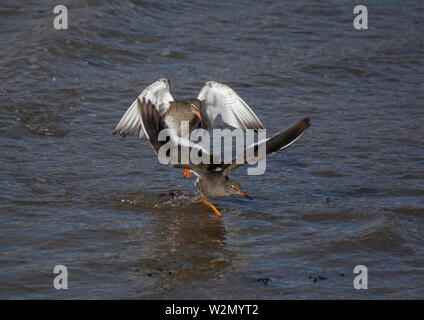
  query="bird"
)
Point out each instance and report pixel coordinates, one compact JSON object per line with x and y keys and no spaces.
{"x":213,"y":99}
{"x":212,"y":178}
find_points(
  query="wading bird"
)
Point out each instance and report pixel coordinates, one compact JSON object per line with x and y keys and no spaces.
{"x":213,"y":99}
{"x":213,"y":181}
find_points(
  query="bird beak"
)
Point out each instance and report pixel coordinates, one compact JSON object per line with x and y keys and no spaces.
{"x":244,"y":194}
{"x":198,"y":114}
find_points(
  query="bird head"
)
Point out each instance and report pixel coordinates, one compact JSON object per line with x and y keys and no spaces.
{"x":233,"y":187}
{"x":195,"y":108}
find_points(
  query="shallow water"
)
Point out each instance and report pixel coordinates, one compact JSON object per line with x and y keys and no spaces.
{"x":349,"y":192}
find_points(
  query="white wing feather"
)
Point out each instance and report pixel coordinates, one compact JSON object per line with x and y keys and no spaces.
{"x":159,"y":93}
{"x":218,"y":98}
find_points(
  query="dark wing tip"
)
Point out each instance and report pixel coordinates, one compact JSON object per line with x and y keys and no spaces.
{"x":303,"y":124}
{"x":307,"y":122}
{"x":118,"y":131}
{"x":152,"y":122}
{"x":254,"y":124}
{"x":286,"y":137}
{"x":300,"y":127}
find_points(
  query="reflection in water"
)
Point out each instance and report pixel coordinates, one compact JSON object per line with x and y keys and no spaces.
{"x":187,"y":242}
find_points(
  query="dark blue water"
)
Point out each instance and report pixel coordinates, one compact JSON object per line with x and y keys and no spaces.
{"x":73,"y":194}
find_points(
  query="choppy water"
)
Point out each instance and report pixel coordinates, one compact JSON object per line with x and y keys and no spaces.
{"x":73,"y":194}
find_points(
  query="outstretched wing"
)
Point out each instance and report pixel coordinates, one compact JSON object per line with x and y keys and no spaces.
{"x":280,"y":141}
{"x":218,"y":98}
{"x":151,"y":122}
{"x":159,"y":94}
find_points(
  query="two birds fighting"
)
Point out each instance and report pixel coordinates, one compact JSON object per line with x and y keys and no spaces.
{"x":155,"y":109}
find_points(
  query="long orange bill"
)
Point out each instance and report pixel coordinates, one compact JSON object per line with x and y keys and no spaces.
{"x":244,"y":194}
{"x":198,"y":114}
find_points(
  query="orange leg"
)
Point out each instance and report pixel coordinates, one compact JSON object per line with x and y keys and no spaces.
{"x":212,"y":206}
{"x":187,"y":174}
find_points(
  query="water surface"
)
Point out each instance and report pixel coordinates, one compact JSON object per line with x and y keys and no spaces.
{"x":349,"y":192}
